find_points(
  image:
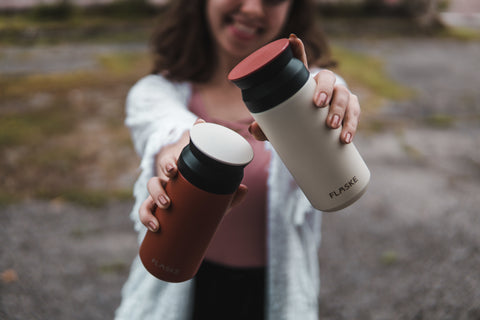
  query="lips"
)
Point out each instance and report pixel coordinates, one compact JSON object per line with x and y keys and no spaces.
{"x":244,"y":29}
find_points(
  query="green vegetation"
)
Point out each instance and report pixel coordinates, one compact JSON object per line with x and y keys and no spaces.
{"x":67,"y":143}
{"x":439,"y":120}
{"x":462,"y":34}
{"x":60,"y":11}
{"x":62,"y":135}
{"x":67,"y":11}
{"x":120,"y":21}
{"x":389,"y":258}
{"x":113,"y":267}
{"x":367,"y":74}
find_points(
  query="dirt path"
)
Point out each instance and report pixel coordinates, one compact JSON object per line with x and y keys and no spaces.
{"x":409,"y":249}
{"x":65,"y":262}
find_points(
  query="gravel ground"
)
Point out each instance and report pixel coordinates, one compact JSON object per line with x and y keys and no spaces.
{"x":61,"y":261}
{"x":409,"y":249}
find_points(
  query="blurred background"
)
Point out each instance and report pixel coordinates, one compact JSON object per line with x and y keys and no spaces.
{"x":409,"y":249}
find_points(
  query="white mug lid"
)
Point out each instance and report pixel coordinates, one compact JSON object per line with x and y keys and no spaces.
{"x":221,"y":144}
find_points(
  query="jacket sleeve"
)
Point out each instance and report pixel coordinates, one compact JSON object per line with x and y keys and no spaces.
{"x":157,"y":115}
{"x":156,"y":107}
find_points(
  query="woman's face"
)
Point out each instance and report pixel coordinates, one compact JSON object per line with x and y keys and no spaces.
{"x":239,"y":27}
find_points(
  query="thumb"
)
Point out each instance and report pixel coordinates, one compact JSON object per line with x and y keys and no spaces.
{"x":298,"y":49}
{"x":239,"y":195}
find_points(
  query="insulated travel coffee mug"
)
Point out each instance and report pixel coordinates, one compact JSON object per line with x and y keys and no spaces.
{"x":210,"y":170}
{"x":278,"y":91}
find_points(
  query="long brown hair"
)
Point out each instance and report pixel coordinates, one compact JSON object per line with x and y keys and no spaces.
{"x":183,"y":49}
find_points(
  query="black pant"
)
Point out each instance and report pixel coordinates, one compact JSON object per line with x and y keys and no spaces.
{"x":223,"y":292}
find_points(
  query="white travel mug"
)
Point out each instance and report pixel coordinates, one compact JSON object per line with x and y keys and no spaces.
{"x":278,"y":91}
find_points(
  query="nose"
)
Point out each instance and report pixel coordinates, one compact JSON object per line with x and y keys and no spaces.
{"x":253,"y":7}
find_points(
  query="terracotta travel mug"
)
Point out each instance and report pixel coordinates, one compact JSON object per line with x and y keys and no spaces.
{"x":278,"y":91}
{"x":210,"y":170}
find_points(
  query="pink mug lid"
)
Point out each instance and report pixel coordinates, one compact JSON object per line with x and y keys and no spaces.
{"x":269,"y":76}
{"x":258,"y":59}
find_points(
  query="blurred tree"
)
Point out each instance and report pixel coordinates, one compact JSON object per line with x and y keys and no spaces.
{"x":424,"y":12}
{"x":62,"y":10}
{"x":131,"y":8}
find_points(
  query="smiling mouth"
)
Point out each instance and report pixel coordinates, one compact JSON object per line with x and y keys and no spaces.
{"x":248,"y":30}
{"x":244,"y":29}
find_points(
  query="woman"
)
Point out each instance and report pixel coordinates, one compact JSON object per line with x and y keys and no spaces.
{"x":262,"y":262}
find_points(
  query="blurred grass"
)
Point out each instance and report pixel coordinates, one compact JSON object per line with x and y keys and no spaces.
{"x":366,"y":76}
{"x":115,"y":68}
{"x":62,"y":135}
{"x":459,"y":33}
{"x":28,"y":129}
{"x":119,"y":21}
{"x":73,"y":146}
{"x":441,"y":121}
{"x":360,"y":70}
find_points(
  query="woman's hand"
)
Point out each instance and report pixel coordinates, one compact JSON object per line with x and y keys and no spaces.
{"x":344,"y":106}
{"x":166,"y":169}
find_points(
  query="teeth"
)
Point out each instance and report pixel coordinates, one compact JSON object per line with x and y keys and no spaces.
{"x":244,"y":28}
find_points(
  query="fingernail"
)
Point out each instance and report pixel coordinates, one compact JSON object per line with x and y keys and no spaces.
{"x":322,"y":99}
{"x":335,"y":121}
{"x":152,"y":226}
{"x":163,"y":200}
{"x":169,"y":167}
{"x":293,"y":36}
{"x":348,"y":137}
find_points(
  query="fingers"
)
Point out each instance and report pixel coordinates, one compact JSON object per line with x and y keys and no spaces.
{"x":166,"y":158}
{"x":338,"y":107}
{"x":148,"y":207}
{"x":344,"y":106}
{"x":325,"y":88}
{"x":298,"y":49}
{"x":158,"y":198}
{"x":344,"y":111}
{"x":166,"y":167}
{"x":199,"y":120}
{"x":146,"y":214}
{"x":239,"y":195}
{"x":156,"y":189}
{"x":350,"y":122}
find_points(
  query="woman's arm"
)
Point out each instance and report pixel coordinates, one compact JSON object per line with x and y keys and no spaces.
{"x":156,"y":111}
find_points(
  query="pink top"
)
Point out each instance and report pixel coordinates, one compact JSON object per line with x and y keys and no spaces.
{"x":240,"y":240}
